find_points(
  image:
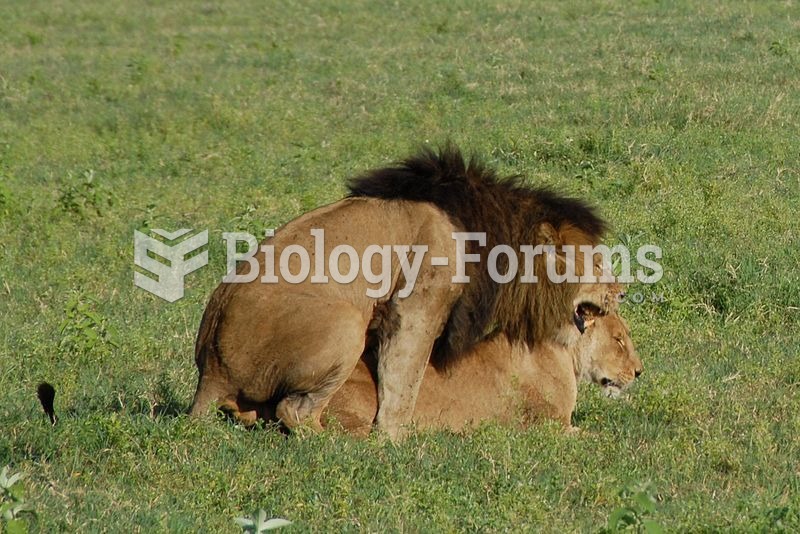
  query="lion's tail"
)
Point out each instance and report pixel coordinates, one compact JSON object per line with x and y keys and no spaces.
{"x":47,"y":395}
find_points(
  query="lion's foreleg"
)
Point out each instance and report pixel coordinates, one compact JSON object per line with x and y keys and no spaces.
{"x":403,"y":356}
{"x":398,"y":396}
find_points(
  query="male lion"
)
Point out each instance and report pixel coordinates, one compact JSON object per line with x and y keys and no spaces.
{"x":503,"y":381}
{"x":290,"y":346}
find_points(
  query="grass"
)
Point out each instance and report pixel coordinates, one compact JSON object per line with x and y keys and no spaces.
{"x":678,"y":119}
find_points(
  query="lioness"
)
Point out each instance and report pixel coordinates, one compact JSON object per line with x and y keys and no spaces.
{"x":290,"y":346}
{"x":503,"y":381}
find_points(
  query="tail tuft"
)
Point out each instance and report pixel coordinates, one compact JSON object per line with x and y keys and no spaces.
{"x":47,"y":395}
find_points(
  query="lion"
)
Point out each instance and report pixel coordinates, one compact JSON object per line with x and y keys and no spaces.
{"x":291,"y":346}
{"x":502,"y":381}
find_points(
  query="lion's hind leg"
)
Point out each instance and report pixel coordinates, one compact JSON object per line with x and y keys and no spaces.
{"x":210,"y":392}
{"x":222,"y":398}
{"x":300,"y":409}
{"x":329,"y":358}
{"x":213,"y":391}
{"x":304,"y":408}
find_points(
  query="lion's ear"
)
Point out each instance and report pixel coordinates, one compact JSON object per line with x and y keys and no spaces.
{"x":546,"y":234}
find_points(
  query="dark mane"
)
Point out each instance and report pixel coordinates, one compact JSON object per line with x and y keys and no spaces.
{"x":476,"y":200}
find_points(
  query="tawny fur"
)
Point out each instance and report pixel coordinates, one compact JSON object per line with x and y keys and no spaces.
{"x":507,"y":212}
{"x":501,"y":381}
{"x":287,"y":348}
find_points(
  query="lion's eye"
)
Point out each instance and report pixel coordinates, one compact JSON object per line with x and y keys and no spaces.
{"x":620,"y":342}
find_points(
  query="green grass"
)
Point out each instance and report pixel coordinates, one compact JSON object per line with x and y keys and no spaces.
{"x":680,"y":120}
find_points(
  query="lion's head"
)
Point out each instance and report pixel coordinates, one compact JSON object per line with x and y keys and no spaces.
{"x":606,"y":355}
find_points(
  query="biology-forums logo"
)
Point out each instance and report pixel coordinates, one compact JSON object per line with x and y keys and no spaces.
{"x":165,"y":258}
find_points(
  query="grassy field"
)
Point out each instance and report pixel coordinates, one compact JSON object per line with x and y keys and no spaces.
{"x":681,"y":121}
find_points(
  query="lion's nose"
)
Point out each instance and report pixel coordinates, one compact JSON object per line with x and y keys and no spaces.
{"x":638,"y":372}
